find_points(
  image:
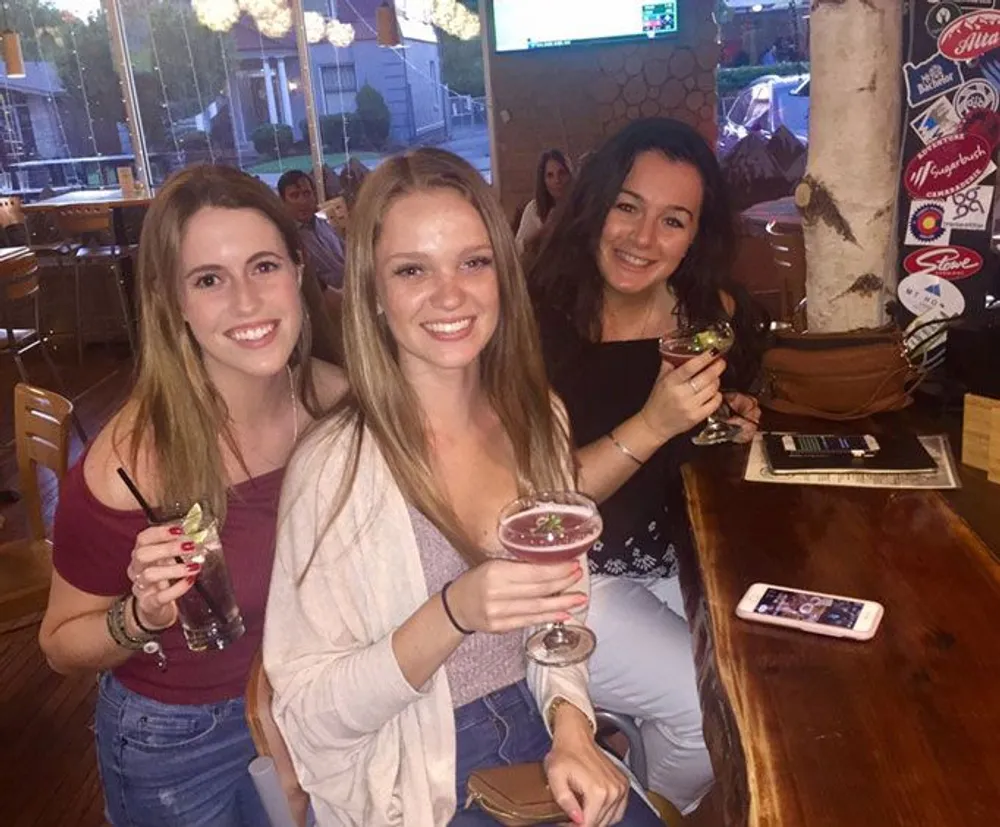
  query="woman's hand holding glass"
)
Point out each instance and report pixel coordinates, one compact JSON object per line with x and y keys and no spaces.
{"x":503,"y":595}
{"x":157,"y":578}
{"x":590,"y":789}
{"x":683,"y":396}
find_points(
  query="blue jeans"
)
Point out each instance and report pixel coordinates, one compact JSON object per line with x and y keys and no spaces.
{"x":171,"y":765}
{"x":505,"y":727}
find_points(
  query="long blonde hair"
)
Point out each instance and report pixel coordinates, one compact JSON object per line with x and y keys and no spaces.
{"x":381,"y":400}
{"x":179,"y":416}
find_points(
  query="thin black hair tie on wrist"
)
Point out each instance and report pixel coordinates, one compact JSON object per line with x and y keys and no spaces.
{"x":139,"y":624}
{"x":447,"y":609}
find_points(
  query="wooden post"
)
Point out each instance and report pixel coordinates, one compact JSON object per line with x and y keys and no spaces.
{"x":848,"y":194}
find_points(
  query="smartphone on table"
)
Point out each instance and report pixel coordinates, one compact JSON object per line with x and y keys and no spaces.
{"x":822,"y":614}
{"x":829,"y":445}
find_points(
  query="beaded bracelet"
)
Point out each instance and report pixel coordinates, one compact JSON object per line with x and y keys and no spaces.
{"x":117,"y":629}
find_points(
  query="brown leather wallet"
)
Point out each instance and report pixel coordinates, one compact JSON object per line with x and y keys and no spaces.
{"x":516,"y":796}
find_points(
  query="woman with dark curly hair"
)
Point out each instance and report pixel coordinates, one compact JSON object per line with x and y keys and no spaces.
{"x":642,"y":245}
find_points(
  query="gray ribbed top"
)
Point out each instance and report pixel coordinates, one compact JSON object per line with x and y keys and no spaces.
{"x":483,"y":662}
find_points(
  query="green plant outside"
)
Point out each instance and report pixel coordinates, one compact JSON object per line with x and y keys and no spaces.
{"x":304,"y":162}
{"x":730,"y":81}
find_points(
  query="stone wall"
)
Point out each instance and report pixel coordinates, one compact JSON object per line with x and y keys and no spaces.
{"x":573,"y":98}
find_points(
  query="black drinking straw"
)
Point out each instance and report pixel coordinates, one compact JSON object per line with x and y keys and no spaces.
{"x":152,"y":518}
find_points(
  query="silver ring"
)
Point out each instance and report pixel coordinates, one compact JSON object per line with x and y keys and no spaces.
{"x":694,"y":387}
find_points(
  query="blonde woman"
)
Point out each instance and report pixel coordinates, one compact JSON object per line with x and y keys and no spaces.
{"x":225,"y":384}
{"x":394,"y":632}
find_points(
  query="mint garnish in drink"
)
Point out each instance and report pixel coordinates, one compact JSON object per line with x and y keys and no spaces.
{"x":549,"y":524}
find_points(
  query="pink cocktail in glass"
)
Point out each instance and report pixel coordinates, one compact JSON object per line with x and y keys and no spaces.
{"x":553,"y":527}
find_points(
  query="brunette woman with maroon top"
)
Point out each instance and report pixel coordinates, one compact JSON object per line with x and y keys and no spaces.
{"x":225,"y":384}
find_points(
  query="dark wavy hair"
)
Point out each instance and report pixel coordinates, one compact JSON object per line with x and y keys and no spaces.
{"x":564,"y":275}
{"x":543,"y":198}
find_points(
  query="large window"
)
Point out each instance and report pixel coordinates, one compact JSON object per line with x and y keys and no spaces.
{"x":62,"y":126}
{"x":219,"y":81}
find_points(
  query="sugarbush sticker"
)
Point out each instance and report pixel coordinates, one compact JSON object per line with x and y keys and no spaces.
{"x":950,"y":263}
{"x":946,"y":166}
{"x":936,"y":121}
{"x":922,"y":293}
{"x":926,"y":224}
{"x":931,"y":78}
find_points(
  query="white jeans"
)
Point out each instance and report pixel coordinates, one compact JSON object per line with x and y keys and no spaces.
{"x":643,"y":666}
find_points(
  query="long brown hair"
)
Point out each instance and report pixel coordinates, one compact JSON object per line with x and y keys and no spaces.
{"x":179,"y":416}
{"x":544,"y":202}
{"x":382,"y":403}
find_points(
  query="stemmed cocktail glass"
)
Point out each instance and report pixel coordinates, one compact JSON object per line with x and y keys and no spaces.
{"x":553,"y":527}
{"x":685,"y":344}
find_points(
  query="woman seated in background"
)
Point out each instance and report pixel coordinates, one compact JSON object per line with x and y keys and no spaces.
{"x":552,"y":180}
{"x":225,"y":384}
{"x":642,"y":245}
{"x":394,"y":637}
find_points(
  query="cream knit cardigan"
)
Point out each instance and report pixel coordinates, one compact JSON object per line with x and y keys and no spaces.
{"x":370,"y":750}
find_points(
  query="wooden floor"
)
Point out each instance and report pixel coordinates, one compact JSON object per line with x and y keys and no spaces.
{"x":46,"y":741}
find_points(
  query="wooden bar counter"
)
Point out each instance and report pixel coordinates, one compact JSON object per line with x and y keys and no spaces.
{"x":808,"y":731}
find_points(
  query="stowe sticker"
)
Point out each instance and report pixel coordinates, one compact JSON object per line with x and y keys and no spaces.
{"x":946,"y":166}
{"x":951,"y":263}
{"x":971,"y":35}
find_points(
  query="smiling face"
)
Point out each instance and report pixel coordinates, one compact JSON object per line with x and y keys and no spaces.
{"x":651,"y":225}
{"x":239,"y":292}
{"x":436,"y":281}
{"x":556,"y":178}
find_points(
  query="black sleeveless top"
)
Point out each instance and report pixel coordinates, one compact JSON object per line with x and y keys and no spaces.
{"x":602,"y":384}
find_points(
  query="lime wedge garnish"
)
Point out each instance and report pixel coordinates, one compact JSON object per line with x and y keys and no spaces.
{"x":191,"y":525}
{"x":706,"y":340}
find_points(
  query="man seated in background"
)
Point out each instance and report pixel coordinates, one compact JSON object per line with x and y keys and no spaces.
{"x":322,"y":244}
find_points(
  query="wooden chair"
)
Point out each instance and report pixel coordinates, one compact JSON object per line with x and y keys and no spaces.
{"x":270,"y":743}
{"x":790,"y":258}
{"x":19,"y":286}
{"x":83,"y":228}
{"x":41,"y":424}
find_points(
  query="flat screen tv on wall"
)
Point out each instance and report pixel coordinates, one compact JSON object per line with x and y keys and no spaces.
{"x":522,"y":25}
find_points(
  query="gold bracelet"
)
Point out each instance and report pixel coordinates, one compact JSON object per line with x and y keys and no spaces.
{"x":623,"y":448}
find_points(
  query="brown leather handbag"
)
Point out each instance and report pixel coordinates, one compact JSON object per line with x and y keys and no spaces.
{"x":838,"y":375}
{"x":516,"y":796}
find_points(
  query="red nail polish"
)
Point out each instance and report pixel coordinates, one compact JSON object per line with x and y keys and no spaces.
{"x":176,"y":530}
{"x":194,"y":567}
{"x":187,"y":545}
{"x":191,"y":579}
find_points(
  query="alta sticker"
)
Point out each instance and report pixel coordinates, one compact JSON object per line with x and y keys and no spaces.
{"x":935,"y":76}
{"x":975,"y":94}
{"x":971,"y":35}
{"x":949,"y":263}
{"x":922,"y":293}
{"x":946,"y":166}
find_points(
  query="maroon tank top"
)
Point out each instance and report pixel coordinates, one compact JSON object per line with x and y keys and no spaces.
{"x":92,"y":546}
